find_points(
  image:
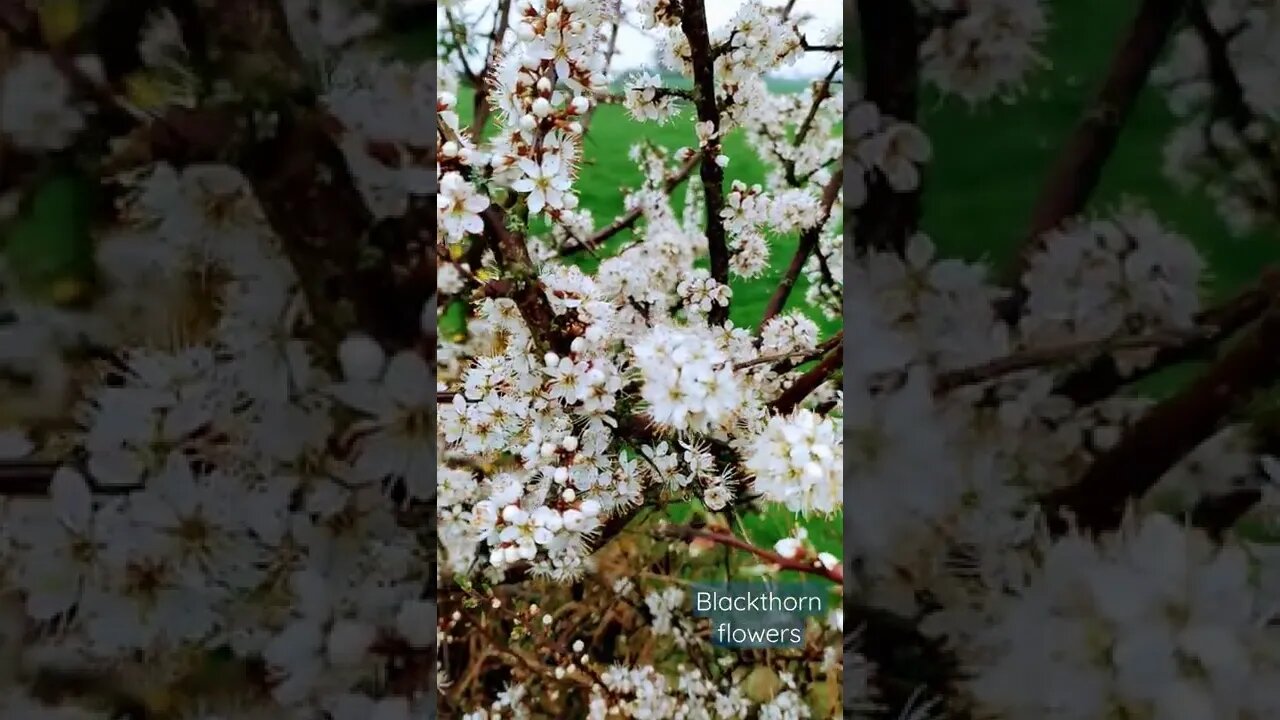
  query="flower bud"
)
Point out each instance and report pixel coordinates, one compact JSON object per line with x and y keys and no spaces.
{"x":361,"y":358}
{"x":413,"y":623}
{"x":580,"y":104}
{"x":349,"y":641}
{"x":542,"y":107}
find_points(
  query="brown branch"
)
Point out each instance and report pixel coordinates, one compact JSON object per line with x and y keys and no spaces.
{"x":1102,"y":378}
{"x":513,"y":256}
{"x":808,"y":382}
{"x":808,"y":47}
{"x":891,"y":61}
{"x":1078,"y":169}
{"x":321,"y":226}
{"x":808,"y":245}
{"x":799,"y":357}
{"x":1170,"y":430}
{"x":1218,"y":513}
{"x":1068,"y":352}
{"x":810,"y":567}
{"x":694,"y":23}
{"x":629,"y":219}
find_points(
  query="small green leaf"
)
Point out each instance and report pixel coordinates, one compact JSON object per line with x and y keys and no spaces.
{"x":49,"y":245}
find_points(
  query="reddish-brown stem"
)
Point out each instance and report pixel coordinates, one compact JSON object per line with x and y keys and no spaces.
{"x":810,"y":567}
{"x":810,"y":381}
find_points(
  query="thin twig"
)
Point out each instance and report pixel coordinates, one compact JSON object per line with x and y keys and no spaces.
{"x":810,"y":567}
{"x":1052,"y":355}
{"x":810,"y":381}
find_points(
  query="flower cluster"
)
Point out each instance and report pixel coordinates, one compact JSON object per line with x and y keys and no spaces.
{"x":1216,"y":80}
{"x":981,"y":49}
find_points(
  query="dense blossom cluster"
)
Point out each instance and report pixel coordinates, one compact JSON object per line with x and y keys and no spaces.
{"x":222,"y":493}
{"x":955,"y":446}
{"x":1217,"y":80}
{"x":649,"y":396}
{"x":981,"y":49}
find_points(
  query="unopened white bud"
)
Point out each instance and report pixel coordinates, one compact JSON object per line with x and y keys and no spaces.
{"x":449,"y":149}
{"x":349,"y":641}
{"x":542,"y":107}
{"x":573,"y":519}
{"x":722,"y":160}
{"x":544,"y":84}
{"x":580,"y":104}
{"x":361,"y":358}
{"x":548,"y":449}
{"x":414,"y":624}
{"x":528,"y":122}
{"x":569,"y":495}
{"x":570,"y":443}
